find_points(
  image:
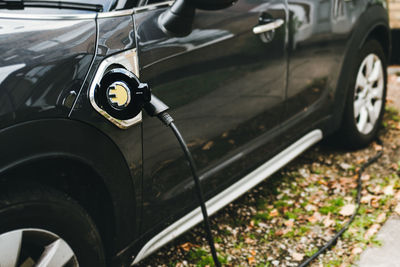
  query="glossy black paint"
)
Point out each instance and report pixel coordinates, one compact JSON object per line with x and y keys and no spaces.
{"x":238,"y":98}
{"x":43,"y":65}
{"x":226,"y":90}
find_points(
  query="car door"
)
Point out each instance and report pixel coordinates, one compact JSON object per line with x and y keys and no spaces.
{"x":225,"y":86}
{"x":317,"y":41}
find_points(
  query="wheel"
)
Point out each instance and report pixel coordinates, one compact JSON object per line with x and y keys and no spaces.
{"x":366,"y":97}
{"x":43,"y":227}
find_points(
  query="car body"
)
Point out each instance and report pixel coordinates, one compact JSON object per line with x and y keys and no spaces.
{"x":246,"y":104}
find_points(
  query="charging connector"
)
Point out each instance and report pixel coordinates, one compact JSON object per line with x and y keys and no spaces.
{"x":157,"y":108}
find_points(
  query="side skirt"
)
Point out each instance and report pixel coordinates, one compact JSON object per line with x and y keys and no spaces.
{"x":230,"y":194}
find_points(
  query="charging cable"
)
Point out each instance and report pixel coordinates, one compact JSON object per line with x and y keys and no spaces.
{"x":157,"y":108}
{"x":358,"y":199}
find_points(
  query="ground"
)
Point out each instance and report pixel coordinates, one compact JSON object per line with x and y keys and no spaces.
{"x":289,"y":216}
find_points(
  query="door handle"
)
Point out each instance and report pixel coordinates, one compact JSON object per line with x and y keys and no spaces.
{"x":268,"y":26}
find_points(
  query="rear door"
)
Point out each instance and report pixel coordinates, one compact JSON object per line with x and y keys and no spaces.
{"x":225,"y":86}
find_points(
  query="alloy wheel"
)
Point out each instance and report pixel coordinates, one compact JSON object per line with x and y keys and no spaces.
{"x":35,"y":247}
{"x":368,"y":93}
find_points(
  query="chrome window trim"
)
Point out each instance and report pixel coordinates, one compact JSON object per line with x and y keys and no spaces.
{"x":4,"y":15}
{"x":152,"y":6}
{"x":128,"y":59}
{"x":230,"y":194}
{"x":111,"y":14}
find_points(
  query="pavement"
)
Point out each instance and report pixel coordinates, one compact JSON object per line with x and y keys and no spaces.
{"x":387,"y":255}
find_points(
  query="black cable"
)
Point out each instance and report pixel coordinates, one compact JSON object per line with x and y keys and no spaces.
{"x":346,"y":226}
{"x":169,"y":121}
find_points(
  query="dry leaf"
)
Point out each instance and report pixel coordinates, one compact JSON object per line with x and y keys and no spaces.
{"x":381,"y":218}
{"x":356,"y":250}
{"x":377,"y":147}
{"x":186,"y":246}
{"x":249,"y":241}
{"x":252,"y":252}
{"x":251,"y":260}
{"x":397,"y":209}
{"x":316,"y":217}
{"x":208,"y":145}
{"x":289,"y":223}
{"x":397,"y":195}
{"x":297,"y":256}
{"x":347,"y":210}
{"x":388,"y":190}
{"x":367,"y":199}
{"x":274,"y":213}
{"x":365,"y":177}
{"x":328,"y":221}
{"x":310,"y":207}
{"x":371,"y":231}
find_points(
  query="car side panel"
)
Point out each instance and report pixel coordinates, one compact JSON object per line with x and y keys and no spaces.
{"x":43,"y":66}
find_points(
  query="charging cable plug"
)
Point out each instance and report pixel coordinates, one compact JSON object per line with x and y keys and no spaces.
{"x":155,"y":107}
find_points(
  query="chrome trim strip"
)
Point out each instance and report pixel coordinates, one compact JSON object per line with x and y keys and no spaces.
{"x":268,"y":27}
{"x":230,"y":194}
{"x":152,"y":7}
{"x":48,"y":16}
{"x":128,"y":59}
{"x":111,"y":14}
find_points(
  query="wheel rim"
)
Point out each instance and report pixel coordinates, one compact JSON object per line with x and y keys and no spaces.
{"x":368,"y":94}
{"x":35,"y":247}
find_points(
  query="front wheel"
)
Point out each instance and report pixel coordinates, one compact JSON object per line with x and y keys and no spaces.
{"x":366,"y":97}
{"x":43,"y":227}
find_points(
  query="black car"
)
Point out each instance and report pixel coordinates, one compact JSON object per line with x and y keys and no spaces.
{"x":87,"y":178}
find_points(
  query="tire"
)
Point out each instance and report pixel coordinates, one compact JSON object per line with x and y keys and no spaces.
{"x":365,"y":99}
{"x":40,"y":221}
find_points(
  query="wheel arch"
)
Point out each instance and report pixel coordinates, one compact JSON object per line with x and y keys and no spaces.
{"x":372,"y":24}
{"x":77,"y":159}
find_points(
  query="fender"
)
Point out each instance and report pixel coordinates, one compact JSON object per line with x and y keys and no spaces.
{"x":375,"y":16}
{"x":65,"y":138}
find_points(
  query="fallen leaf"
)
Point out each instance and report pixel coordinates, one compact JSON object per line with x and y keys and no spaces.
{"x":289,"y":223}
{"x":345,"y":166}
{"x":365,"y":177}
{"x":381,"y":218}
{"x":377,"y":147}
{"x":397,"y":195}
{"x":371,"y":231}
{"x":251,"y":260}
{"x":273,"y":213}
{"x":328,"y":221}
{"x":394,"y":166}
{"x":249,"y":241}
{"x":366,"y":199}
{"x":208,"y":145}
{"x":187,"y":246}
{"x":297,"y":256}
{"x":356,"y":250}
{"x":388,"y":190}
{"x":347,"y":210}
{"x":310,"y":207}
{"x":252,"y":252}
{"x":316,"y":217}
{"x":397,"y":209}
